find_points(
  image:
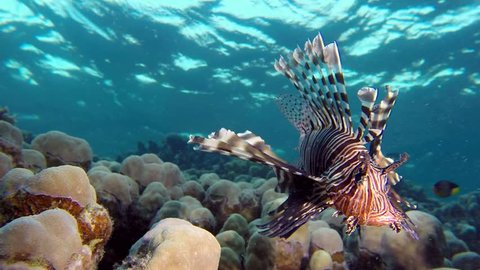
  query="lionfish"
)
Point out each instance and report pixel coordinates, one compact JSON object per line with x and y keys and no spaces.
{"x":339,"y":166}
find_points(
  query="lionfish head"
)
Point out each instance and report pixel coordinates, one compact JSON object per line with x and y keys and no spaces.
{"x":378,"y":203}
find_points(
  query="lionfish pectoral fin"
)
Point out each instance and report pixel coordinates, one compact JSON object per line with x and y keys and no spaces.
{"x":407,"y":225}
{"x":397,"y":198}
{"x":247,"y":146}
{"x":307,"y":198}
{"x":352,"y":224}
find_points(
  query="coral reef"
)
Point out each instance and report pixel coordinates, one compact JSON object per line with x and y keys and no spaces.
{"x":201,"y":217}
{"x":6,"y":116}
{"x":24,"y":195}
{"x":60,"y":149}
{"x":174,"y":244}
{"x":49,"y":239}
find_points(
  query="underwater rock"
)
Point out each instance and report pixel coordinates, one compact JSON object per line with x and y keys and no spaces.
{"x":466,"y":261}
{"x":149,"y":168}
{"x":113,"y":166}
{"x":176,"y":192}
{"x":229,"y":260}
{"x":151,"y":199}
{"x":174,"y":244}
{"x":57,"y":182}
{"x":114,"y":190}
{"x":6,"y":116}
{"x":203,"y":218}
{"x":273,"y":253}
{"x":386,"y":249}
{"x":223,"y":199}
{"x":33,"y":160}
{"x":187,"y":208}
{"x":335,"y":222}
{"x":11,"y":139}
{"x":49,"y":239}
{"x":260,"y":253}
{"x":62,"y":149}
{"x":454,"y":245}
{"x":233,"y":250}
{"x":320,"y":260}
{"x":66,"y":187}
{"x":250,"y":205}
{"x":288,"y":254}
{"x":233,"y":240}
{"x":171,"y":209}
{"x":194,"y":189}
{"x":266,"y":185}
{"x":462,"y":217}
{"x":326,"y":239}
{"x":238,"y":223}
{"x":6,"y":163}
{"x":208,"y":179}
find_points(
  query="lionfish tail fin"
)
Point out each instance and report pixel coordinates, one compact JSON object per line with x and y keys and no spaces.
{"x":316,"y":72}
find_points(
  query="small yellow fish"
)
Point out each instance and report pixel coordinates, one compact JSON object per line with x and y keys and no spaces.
{"x":445,"y":188}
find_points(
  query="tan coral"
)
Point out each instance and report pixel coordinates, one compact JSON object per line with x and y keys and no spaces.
{"x":33,"y":160}
{"x":6,"y":163}
{"x":60,"y":148}
{"x":11,"y":139}
{"x":113,"y":188}
{"x":65,"y":187}
{"x":149,"y":168}
{"x":49,"y":239}
{"x":174,"y":244}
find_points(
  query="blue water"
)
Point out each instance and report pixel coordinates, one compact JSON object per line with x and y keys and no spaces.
{"x":116,"y":72}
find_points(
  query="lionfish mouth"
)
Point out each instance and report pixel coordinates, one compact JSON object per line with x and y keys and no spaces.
{"x":339,"y":166}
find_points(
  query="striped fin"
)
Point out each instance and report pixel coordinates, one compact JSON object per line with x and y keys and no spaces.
{"x":379,"y":117}
{"x":316,"y":73}
{"x":378,"y":121}
{"x":243,"y":145}
{"x":306,"y":200}
{"x":367,"y":97}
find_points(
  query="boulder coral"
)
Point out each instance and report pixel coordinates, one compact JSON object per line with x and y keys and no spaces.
{"x":149,"y":168}
{"x":65,"y":187}
{"x":114,"y":191}
{"x":11,"y":139}
{"x":6,"y":163}
{"x":174,"y":244}
{"x":33,"y":160}
{"x":49,"y":239}
{"x":62,"y":149}
{"x":190,"y":209}
{"x":387,"y":249}
{"x":223,"y":199}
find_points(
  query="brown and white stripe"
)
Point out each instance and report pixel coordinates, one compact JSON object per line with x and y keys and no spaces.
{"x":335,"y":168}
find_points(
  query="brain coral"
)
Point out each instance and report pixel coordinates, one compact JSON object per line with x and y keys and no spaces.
{"x":60,"y":148}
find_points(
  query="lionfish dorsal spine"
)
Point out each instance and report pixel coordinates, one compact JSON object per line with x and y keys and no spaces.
{"x":322,"y":87}
{"x":367,"y":96}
